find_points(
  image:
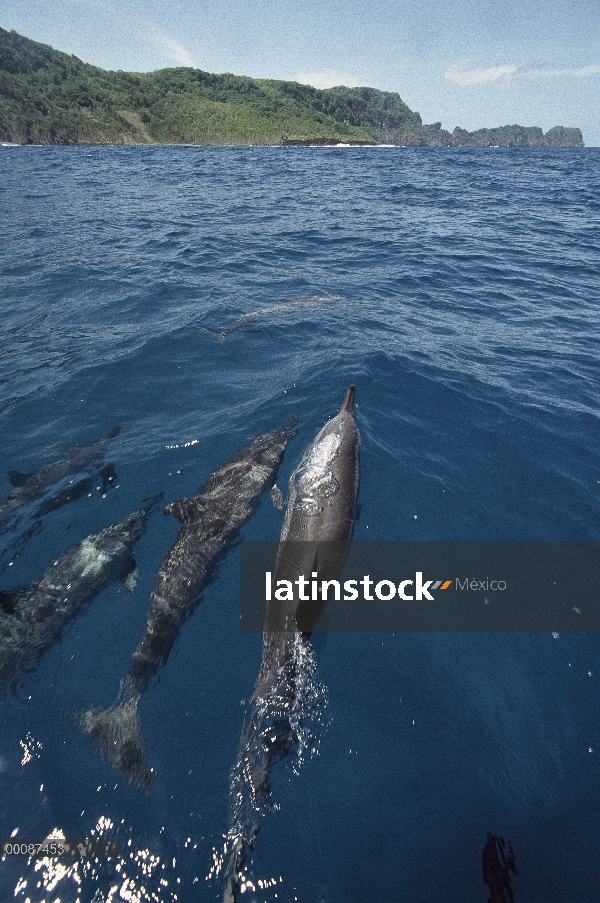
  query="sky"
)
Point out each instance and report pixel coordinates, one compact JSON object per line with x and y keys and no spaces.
{"x":471,"y":63}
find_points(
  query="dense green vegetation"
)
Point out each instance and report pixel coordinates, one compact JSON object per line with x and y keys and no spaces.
{"x":49,"y":97}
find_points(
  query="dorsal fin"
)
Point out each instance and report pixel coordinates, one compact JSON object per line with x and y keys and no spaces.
{"x":16,"y":478}
{"x":185,"y":510}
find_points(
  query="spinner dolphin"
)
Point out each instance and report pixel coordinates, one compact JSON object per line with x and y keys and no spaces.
{"x":317,"y":528}
{"x":210,"y":522}
{"x":42,"y":485}
{"x":36,"y":616}
{"x":289,"y":306}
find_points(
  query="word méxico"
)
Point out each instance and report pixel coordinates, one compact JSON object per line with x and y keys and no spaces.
{"x":477,"y":585}
{"x":385,"y":590}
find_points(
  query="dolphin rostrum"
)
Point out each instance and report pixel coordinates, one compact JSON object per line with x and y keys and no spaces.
{"x":210,"y":522}
{"x":28,"y":488}
{"x":317,"y":528}
{"x":37,"y":615}
{"x":289,"y":306}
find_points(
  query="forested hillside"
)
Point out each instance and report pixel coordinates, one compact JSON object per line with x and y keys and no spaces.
{"x":49,"y":97}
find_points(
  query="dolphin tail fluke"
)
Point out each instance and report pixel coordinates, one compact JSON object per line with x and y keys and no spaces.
{"x":348,"y":402}
{"x":117,"y":735}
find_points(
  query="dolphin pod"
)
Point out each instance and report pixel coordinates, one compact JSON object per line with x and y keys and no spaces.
{"x":289,"y":306}
{"x":37,"y":615}
{"x":210,"y":522}
{"x":28,"y":488}
{"x":317,"y":527}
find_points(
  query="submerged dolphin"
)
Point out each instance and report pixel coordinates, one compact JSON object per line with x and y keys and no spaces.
{"x":497,"y":864}
{"x":28,"y":488}
{"x":38,"y":614}
{"x":317,"y":528}
{"x":76,"y":490}
{"x":210,"y":522}
{"x":289,"y":306}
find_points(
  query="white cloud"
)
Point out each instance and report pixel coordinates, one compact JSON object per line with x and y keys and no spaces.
{"x":467,"y":77}
{"x":328,"y":78}
{"x":171,"y":48}
{"x":578,"y":73}
{"x":477,"y":76}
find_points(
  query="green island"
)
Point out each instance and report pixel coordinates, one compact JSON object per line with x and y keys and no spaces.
{"x":49,"y":97}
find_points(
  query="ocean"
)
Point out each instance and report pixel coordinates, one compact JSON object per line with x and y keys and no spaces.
{"x":197,"y":297}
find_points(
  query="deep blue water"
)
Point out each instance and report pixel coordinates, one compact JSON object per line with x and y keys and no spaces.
{"x":469,"y":321}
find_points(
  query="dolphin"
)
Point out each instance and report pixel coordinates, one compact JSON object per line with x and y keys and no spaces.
{"x":75,"y":491}
{"x":210,"y":522}
{"x":289,"y":306}
{"x":36,"y":616}
{"x":497,"y":864}
{"x":28,"y":488}
{"x":315,"y":536}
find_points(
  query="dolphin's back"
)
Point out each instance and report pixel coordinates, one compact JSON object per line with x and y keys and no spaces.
{"x":324,"y":487}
